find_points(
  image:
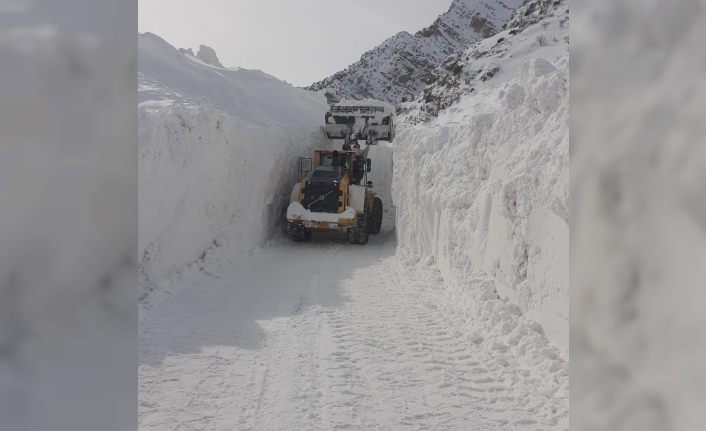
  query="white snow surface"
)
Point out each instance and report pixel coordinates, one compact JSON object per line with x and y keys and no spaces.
{"x":459,"y":321}
{"x":68,"y":228}
{"x":639,"y":227}
{"x":484,"y":187}
{"x":165,"y":74}
{"x":324,"y":335}
{"x":217,"y":155}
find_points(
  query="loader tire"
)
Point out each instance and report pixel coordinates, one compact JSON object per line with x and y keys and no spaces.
{"x":298,"y":233}
{"x":376,"y":216}
{"x":358,"y":234}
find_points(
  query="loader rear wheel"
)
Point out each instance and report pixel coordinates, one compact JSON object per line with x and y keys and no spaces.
{"x":376,"y":216}
{"x":358,"y":234}
{"x":298,"y":233}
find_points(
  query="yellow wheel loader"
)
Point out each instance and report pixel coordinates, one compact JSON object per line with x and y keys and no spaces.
{"x":333,"y":191}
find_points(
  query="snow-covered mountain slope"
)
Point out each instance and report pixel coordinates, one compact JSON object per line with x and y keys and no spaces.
{"x":482,"y":189}
{"x":495,"y":59}
{"x":398,"y":68}
{"x":217,"y":155}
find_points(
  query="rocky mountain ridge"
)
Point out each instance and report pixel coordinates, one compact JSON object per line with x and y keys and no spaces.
{"x":398,"y":69}
{"x":537,"y":26}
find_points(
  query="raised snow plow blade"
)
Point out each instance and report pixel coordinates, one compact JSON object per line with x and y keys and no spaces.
{"x":366,"y":121}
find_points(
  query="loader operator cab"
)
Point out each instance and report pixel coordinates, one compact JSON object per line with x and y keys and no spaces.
{"x":327,"y":173}
{"x":334,"y":160}
{"x":344,"y":162}
{"x":326,"y":160}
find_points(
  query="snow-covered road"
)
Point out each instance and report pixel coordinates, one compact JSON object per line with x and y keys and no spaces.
{"x":325,"y":336}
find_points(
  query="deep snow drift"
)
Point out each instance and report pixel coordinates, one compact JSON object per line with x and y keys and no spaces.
{"x":217,"y":155}
{"x":68,"y":229}
{"x":482,"y":190}
{"x":639,"y":221}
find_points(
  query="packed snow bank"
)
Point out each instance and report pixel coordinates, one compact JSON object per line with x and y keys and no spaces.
{"x":68,"y":240}
{"x":217,"y":155}
{"x":166,"y":76}
{"x":482,"y":190}
{"x":638,"y":216}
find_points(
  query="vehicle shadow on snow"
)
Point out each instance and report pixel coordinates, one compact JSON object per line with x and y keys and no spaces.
{"x":238,"y":302}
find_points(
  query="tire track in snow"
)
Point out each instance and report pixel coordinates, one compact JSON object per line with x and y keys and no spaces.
{"x":395,"y":353}
{"x":423,"y":367}
{"x":288,"y":399}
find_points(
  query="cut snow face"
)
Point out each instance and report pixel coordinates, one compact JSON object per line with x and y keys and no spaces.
{"x":68,"y":227}
{"x":483,"y":188}
{"x":217,"y":156}
{"x":638,"y":168}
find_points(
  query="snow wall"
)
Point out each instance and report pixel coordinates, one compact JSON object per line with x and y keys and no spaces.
{"x":68,"y":229}
{"x":483,"y":192}
{"x":638,"y":216}
{"x":218,"y":155}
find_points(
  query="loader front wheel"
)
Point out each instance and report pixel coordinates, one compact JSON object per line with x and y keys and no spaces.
{"x":358,"y":234}
{"x":298,"y":233}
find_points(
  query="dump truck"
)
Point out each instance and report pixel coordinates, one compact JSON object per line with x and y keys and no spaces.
{"x":333,"y":191}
